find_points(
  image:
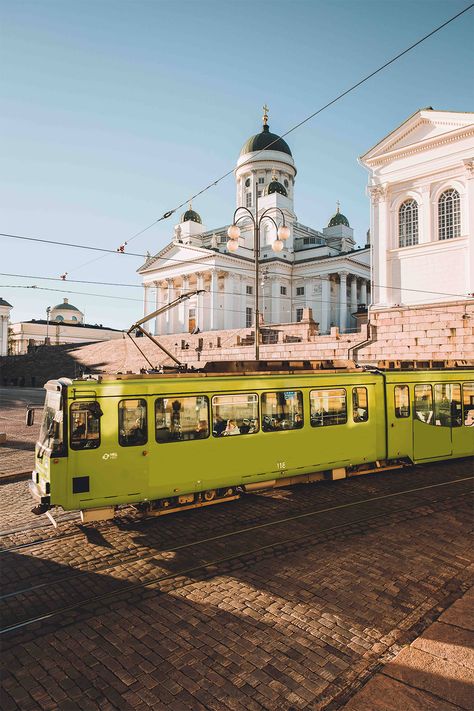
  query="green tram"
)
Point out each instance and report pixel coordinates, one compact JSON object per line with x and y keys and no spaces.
{"x":174,"y":441}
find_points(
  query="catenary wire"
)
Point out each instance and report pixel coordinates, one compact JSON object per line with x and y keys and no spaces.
{"x":168,"y":213}
{"x":262,"y":264}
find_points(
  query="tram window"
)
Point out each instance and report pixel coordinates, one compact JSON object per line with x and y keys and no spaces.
{"x":424,"y":403}
{"x":85,"y":425}
{"x":179,"y":419}
{"x":234,"y":414}
{"x":468,"y":404}
{"x":402,"y":401}
{"x":132,"y":422}
{"x":447,"y":405}
{"x":328,"y":407}
{"x":282,"y":411}
{"x":360,"y":405}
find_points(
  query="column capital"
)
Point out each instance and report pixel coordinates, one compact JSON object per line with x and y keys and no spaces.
{"x":377,"y":193}
{"x":343,"y":275}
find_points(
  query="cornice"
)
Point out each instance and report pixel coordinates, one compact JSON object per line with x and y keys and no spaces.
{"x":421,"y":146}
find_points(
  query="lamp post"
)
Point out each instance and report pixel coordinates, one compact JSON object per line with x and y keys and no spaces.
{"x":48,"y":311}
{"x":283,"y":232}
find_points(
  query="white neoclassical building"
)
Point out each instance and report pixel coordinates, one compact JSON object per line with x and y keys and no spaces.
{"x":421,"y":187}
{"x":5,"y":309}
{"x":320,"y":269}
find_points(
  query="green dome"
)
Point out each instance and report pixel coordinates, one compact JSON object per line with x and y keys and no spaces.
{"x":338,"y":219}
{"x":65,"y":305}
{"x":275,"y":187}
{"x":191,"y":215}
{"x":263,"y":142}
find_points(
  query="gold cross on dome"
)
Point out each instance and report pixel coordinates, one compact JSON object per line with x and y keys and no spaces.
{"x":265,"y":114}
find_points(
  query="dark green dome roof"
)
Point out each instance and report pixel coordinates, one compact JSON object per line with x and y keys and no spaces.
{"x":191,"y":215}
{"x":275,"y":187}
{"x":263,"y":142}
{"x":338,"y":219}
{"x":65,"y":305}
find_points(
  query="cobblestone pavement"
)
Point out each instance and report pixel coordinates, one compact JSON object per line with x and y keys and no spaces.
{"x":17,"y":455}
{"x":299,"y":627}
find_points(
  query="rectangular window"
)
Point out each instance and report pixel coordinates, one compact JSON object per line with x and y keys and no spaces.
{"x":132,"y":421}
{"x":248,"y":200}
{"x":261,"y":181}
{"x":424,"y":403}
{"x":328,"y":407}
{"x":248,"y":317}
{"x":300,"y":291}
{"x":283,"y":290}
{"x":299,"y":315}
{"x":402,"y":400}
{"x":259,"y":193}
{"x":282,"y":411}
{"x":468,"y":404}
{"x":178,"y":419}
{"x":234,"y":414}
{"x":447,"y":405}
{"x":360,"y":405}
{"x":249,"y":290}
{"x":85,"y":425}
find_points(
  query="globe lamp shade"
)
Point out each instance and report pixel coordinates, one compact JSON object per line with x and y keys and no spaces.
{"x":283,"y":232}
{"x":232,"y":245}
{"x":277,"y":245}
{"x":233,"y":232}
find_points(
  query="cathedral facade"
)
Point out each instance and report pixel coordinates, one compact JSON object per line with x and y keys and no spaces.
{"x":318,"y":269}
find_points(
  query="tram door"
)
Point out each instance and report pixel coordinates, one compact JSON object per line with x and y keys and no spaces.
{"x":437,"y":409}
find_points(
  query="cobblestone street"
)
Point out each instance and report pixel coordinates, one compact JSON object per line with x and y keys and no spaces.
{"x":299,"y":628}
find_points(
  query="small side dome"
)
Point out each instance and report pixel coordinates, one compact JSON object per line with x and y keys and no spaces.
{"x":338,"y":219}
{"x":65,"y":306}
{"x":191,"y":216}
{"x":275,"y":187}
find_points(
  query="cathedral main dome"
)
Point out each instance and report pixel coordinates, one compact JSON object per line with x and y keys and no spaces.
{"x":265,"y":141}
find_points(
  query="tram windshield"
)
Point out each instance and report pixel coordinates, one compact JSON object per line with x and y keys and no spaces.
{"x":51,"y":433}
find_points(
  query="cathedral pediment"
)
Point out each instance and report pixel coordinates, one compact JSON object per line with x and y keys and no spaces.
{"x":423,"y":127}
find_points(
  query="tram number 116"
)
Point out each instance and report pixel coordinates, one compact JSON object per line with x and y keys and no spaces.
{"x":281,"y":465}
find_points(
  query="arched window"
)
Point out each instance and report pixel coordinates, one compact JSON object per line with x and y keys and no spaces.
{"x":408,"y":223}
{"x":449,"y":214}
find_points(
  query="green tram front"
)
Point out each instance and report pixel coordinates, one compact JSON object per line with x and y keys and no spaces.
{"x":51,"y":448}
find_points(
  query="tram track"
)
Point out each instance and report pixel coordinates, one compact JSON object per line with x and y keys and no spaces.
{"x":205,"y":563}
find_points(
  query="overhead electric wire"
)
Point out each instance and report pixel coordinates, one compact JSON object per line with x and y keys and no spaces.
{"x":266,"y":274}
{"x":168,"y":213}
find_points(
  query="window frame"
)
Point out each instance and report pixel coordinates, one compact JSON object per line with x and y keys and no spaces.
{"x":134,"y":444}
{"x":301,"y":414}
{"x":332,"y":424}
{"x":232,"y":393}
{"x":408,"y":223}
{"x":98,"y":440}
{"x":299,"y":314}
{"x":397,"y":415}
{"x":449,"y":221}
{"x":415,"y":409}
{"x":300,"y":291}
{"x":467,"y":408}
{"x":355,"y":388}
{"x":182,"y":397}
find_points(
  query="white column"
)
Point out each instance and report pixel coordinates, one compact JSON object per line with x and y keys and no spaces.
{"x":200,"y":302}
{"x":325,"y":303}
{"x":467,"y":225}
{"x":157,"y":306}
{"x":185,"y":316}
{"x":3,"y":335}
{"x":228,"y":316}
{"x":363,"y":292}
{"x":379,"y":229}
{"x":169,"y":299}
{"x":342,"y":301}
{"x":275,"y":299}
{"x":239,"y":315}
{"x":213,"y":301}
{"x":353,"y":300}
{"x":146,"y":305}
{"x":424,"y":214}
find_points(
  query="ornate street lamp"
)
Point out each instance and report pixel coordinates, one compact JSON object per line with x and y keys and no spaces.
{"x":282,"y":231}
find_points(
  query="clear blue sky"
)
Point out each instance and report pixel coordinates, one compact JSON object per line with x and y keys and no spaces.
{"x":114,"y":111}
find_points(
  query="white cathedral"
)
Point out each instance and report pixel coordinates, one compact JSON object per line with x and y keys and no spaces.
{"x":318,"y":269}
